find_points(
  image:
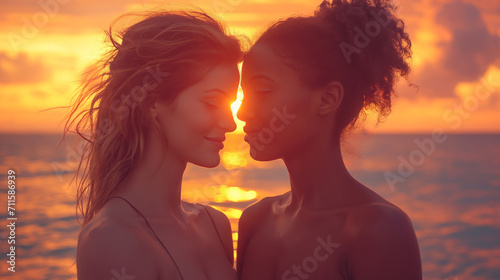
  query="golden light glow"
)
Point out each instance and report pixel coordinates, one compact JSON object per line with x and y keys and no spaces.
{"x":239,"y":124}
{"x":489,"y":82}
{"x":237,"y":194}
{"x":231,"y":213}
{"x":233,"y":160}
{"x":235,"y":106}
{"x":464,"y":89}
{"x":234,"y":194}
{"x":425,"y":44}
{"x":492,"y":76}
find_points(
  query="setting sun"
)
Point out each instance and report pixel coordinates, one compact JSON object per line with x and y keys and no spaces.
{"x":235,"y":106}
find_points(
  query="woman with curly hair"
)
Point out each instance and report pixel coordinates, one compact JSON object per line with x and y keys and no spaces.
{"x":158,"y":100}
{"x":306,"y":82}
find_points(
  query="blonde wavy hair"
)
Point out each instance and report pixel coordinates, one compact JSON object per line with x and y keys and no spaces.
{"x":152,"y":60}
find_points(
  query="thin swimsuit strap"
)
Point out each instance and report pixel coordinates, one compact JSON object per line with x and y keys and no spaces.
{"x":147,"y":223}
{"x":216,"y":230}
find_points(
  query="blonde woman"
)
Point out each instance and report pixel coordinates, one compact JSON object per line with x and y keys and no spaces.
{"x":159,"y":99}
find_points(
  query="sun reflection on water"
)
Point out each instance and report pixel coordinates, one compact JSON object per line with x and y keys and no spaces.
{"x":233,"y":160}
{"x":234,"y":194}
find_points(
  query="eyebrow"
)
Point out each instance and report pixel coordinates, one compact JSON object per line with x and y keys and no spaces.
{"x":216,"y":90}
{"x":261,"y":76}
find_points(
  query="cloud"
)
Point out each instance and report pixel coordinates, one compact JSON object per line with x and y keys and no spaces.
{"x":70,"y":7}
{"x":21,"y":69}
{"x":78,"y":16}
{"x":466,"y":56}
{"x":59,"y":16}
{"x":472,"y":48}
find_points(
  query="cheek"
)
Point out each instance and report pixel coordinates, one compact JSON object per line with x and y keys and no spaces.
{"x":184,"y":125}
{"x":289,"y":112}
{"x":291,"y":123}
{"x":198,"y":121}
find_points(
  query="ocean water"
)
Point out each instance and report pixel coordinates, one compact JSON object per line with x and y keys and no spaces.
{"x":449,"y":187}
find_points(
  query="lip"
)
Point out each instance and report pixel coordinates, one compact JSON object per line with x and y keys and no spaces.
{"x":250,"y":130}
{"x":216,"y":141}
{"x":247,"y":138}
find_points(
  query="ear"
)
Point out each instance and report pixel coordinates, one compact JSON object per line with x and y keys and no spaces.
{"x":331,"y":97}
{"x":153,"y":109}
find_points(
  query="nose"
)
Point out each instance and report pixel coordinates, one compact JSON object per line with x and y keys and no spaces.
{"x":244,"y":113}
{"x":227,"y":122}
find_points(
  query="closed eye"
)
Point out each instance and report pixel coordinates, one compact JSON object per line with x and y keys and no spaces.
{"x":212,"y":105}
{"x":262,"y":91}
{"x":258,"y":93}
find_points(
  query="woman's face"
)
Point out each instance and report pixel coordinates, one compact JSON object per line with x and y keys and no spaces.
{"x":196,"y":122}
{"x":279,"y":110}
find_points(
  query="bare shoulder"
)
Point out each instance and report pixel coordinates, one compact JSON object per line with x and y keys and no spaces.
{"x":219,"y":217}
{"x":254,"y":216}
{"x":109,"y":246}
{"x":255,"y":213}
{"x":375,"y":216}
{"x":383,"y":242}
{"x":379,"y":217}
{"x":222,"y":223}
{"x":250,"y":220}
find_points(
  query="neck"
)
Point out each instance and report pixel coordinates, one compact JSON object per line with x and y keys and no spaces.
{"x":318,"y":177}
{"x":154,"y":183}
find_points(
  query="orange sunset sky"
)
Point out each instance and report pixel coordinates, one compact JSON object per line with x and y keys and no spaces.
{"x":46,"y":44}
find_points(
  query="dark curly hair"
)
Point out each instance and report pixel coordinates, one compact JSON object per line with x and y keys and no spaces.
{"x":360,"y":43}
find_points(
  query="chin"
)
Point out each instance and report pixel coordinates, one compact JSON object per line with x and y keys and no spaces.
{"x":264,"y":155}
{"x":208,"y":162}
